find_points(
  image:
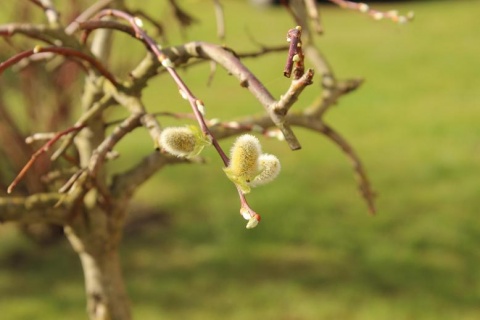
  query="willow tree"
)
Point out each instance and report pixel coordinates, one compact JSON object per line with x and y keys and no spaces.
{"x":64,"y":181}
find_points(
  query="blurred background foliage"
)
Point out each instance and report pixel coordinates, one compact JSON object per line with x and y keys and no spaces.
{"x":317,"y":254}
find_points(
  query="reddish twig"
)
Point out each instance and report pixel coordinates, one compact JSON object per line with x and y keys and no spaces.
{"x":295,"y":54}
{"x":68,"y":52}
{"x":375,"y":14}
{"x":38,"y":153}
{"x":160,"y":30}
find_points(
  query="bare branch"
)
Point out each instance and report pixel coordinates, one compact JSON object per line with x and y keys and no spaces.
{"x":38,"y":153}
{"x":183,"y":17}
{"x":292,"y":94}
{"x":93,"y":111}
{"x":158,"y":26}
{"x":68,"y":52}
{"x":219,"y":16}
{"x":40,"y":207}
{"x":228,"y":60}
{"x":87,"y":14}
{"x":38,"y":32}
{"x":314,"y":15}
{"x":375,"y":14}
{"x":53,"y":16}
{"x":119,"y":132}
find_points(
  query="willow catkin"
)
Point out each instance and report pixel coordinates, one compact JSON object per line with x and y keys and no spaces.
{"x":244,"y":157}
{"x":243,"y":166}
{"x":178,"y":141}
{"x":269,"y":170}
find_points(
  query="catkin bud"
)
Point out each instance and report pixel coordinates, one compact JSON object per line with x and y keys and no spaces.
{"x":253,"y":222}
{"x":270,"y":168}
{"x":183,"y":142}
{"x":243,"y":165}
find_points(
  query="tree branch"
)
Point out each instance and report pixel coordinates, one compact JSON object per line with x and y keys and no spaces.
{"x":40,"y":207}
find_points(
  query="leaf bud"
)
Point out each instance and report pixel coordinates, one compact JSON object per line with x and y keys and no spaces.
{"x":253,"y":222}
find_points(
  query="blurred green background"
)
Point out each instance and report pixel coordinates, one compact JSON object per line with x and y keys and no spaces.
{"x":317,"y":254}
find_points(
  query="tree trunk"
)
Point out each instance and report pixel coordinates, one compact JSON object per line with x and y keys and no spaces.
{"x":96,"y":238}
{"x":106,"y":295}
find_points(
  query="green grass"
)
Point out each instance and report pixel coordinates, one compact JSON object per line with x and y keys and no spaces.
{"x":316,"y":254}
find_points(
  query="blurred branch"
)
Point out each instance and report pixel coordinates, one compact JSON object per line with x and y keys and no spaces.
{"x":40,"y":207}
{"x":182,"y":16}
{"x":314,"y":15}
{"x":220,"y":17}
{"x":68,"y":52}
{"x":38,"y":153}
{"x":375,"y":14}
{"x":39,"y":32}
{"x":87,"y":14}
{"x":53,"y":16}
{"x":107,"y":144}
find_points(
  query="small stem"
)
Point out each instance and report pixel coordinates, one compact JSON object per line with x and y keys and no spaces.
{"x":39,"y":152}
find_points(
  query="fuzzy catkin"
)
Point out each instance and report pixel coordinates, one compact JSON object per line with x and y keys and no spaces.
{"x":244,"y":157}
{"x":178,"y":141}
{"x":270,"y":168}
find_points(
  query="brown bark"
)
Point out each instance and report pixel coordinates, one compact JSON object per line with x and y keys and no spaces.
{"x":95,"y":235}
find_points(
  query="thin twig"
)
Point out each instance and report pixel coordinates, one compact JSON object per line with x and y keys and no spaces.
{"x":51,"y":13}
{"x":68,"y":52}
{"x":119,"y":132}
{"x":220,"y":18}
{"x":292,"y":94}
{"x":375,"y":14}
{"x":38,"y":153}
{"x":312,"y":10}
{"x":87,"y":14}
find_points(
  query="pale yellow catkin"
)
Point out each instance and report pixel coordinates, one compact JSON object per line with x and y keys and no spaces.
{"x":178,"y":141}
{"x":244,"y":157}
{"x":270,"y":168}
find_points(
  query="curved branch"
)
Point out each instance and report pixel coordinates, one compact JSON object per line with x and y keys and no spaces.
{"x":38,"y":32}
{"x":68,"y":52}
{"x":53,"y":16}
{"x":39,"y":152}
{"x":87,"y":14}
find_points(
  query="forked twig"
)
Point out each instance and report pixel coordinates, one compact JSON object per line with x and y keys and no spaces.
{"x":38,"y":153}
